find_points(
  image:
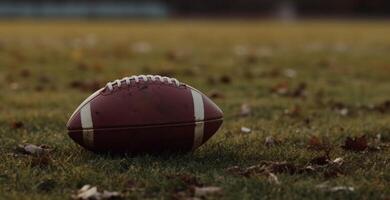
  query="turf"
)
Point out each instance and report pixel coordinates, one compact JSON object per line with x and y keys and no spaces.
{"x":48,"y":67}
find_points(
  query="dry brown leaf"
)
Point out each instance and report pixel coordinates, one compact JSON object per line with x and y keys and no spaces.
{"x":355,"y":144}
{"x":225,"y":79}
{"x":271,"y":166}
{"x":283,"y":89}
{"x":320,"y":160}
{"x":317,"y":144}
{"x":281,"y":167}
{"x":295,"y":111}
{"x":17,"y":124}
{"x":255,"y":170}
{"x":280,"y":88}
{"x":299,"y":91}
{"x":342,"y":108}
{"x":383,"y":107}
{"x":34,"y":149}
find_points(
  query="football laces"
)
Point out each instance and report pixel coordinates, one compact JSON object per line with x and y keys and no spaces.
{"x":144,"y":78}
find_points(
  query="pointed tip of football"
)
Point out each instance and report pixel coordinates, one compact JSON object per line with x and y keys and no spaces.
{"x":212,"y":111}
{"x":211,"y":128}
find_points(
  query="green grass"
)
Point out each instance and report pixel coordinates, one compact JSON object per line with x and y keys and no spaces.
{"x":346,"y":61}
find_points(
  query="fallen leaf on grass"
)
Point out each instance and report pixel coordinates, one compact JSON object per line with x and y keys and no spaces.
{"x":225,"y":79}
{"x":245,"y":129}
{"x":281,"y":167}
{"x":319,"y":165}
{"x":33,"y":149}
{"x":245,"y":110}
{"x":255,"y":170}
{"x":88,"y":192}
{"x":325,"y":187}
{"x":338,"y":161}
{"x":342,"y":188}
{"x":325,"y":166}
{"x":299,"y":91}
{"x":270,"y":166}
{"x":383,"y":107}
{"x":41,"y":154}
{"x":320,"y":160}
{"x":341,"y":108}
{"x":280,"y":88}
{"x":317,"y":144}
{"x":283,"y":89}
{"x":207,"y":191}
{"x":355,"y":144}
{"x":17,"y":124}
{"x":295,"y":111}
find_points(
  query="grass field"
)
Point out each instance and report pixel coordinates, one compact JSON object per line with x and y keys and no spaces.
{"x":307,"y":86}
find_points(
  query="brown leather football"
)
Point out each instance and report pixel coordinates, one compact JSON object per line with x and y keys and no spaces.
{"x":145,"y":114}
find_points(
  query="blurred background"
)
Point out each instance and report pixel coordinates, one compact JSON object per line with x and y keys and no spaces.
{"x":285,"y":9}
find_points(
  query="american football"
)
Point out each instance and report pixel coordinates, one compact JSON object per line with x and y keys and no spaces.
{"x":145,"y":114}
{"x":201,"y":100}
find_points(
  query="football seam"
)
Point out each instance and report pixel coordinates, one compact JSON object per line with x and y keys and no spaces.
{"x":148,"y":126}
